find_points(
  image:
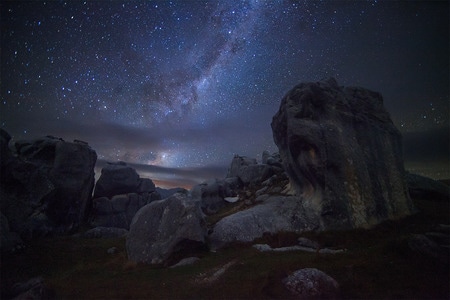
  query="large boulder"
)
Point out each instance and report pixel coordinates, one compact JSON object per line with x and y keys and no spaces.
{"x":120,"y":209}
{"x":275,"y":214}
{"x":343,"y":154}
{"x":119,"y":193}
{"x":119,"y":178}
{"x":165,"y":227}
{"x":47,"y":188}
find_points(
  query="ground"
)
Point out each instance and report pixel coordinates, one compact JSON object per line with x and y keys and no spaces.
{"x":377,"y":264}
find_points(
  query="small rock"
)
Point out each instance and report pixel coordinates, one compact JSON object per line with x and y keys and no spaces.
{"x":105,"y":232}
{"x":261,"y":191}
{"x":262,"y":247}
{"x":231,"y":199}
{"x":112,"y":250}
{"x":312,"y":283}
{"x":308,"y":243}
{"x":186,"y":261}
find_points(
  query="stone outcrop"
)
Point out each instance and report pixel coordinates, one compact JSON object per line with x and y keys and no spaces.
{"x":166,"y":227}
{"x":46,"y":186}
{"x":119,"y":193}
{"x":120,"y":209}
{"x":343,"y":154}
{"x":119,"y":178}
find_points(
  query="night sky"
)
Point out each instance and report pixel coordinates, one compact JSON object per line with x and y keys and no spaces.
{"x":177,"y":88}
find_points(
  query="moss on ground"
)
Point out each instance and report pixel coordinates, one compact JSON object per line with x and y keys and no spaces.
{"x":377,"y":264}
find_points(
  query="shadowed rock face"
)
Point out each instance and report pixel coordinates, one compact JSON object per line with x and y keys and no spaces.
{"x":165,"y":227}
{"x":342,"y":153}
{"x":47,"y":187}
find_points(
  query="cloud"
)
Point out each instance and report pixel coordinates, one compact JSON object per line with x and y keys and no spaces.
{"x":173,"y":177}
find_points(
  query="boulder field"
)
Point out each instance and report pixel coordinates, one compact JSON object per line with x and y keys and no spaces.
{"x":339,"y":166}
{"x":343,"y":157}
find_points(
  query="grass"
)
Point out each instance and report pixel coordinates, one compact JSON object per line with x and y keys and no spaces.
{"x":377,"y":265}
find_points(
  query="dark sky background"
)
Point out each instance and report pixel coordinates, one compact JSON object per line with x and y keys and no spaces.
{"x":176,"y":88}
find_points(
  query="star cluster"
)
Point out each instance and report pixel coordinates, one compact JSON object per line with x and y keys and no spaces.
{"x":187,"y":84}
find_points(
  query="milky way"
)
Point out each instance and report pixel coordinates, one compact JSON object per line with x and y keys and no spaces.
{"x":177,"y":88}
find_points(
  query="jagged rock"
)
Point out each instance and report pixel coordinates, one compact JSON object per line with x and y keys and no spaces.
{"x":424,"y":187}
{"x":120,"y":209}
{"x":165,"y":227}
{"x":47,"y":188}
{"x":311,"y":283}
{"x":343,"y":154}
{"x":274,"y":214}
{"x":105,"y":232}
{"x":212,"y":194}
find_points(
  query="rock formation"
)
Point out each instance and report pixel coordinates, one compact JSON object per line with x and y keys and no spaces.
{"x":165,"y":227}
{"x":248,"y":170}
{"x":119,"y":178}
{"x":46,"y":186}
{"x":343,"y":154}
{"x":212,"y":193}
{"x":119,"y":193}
